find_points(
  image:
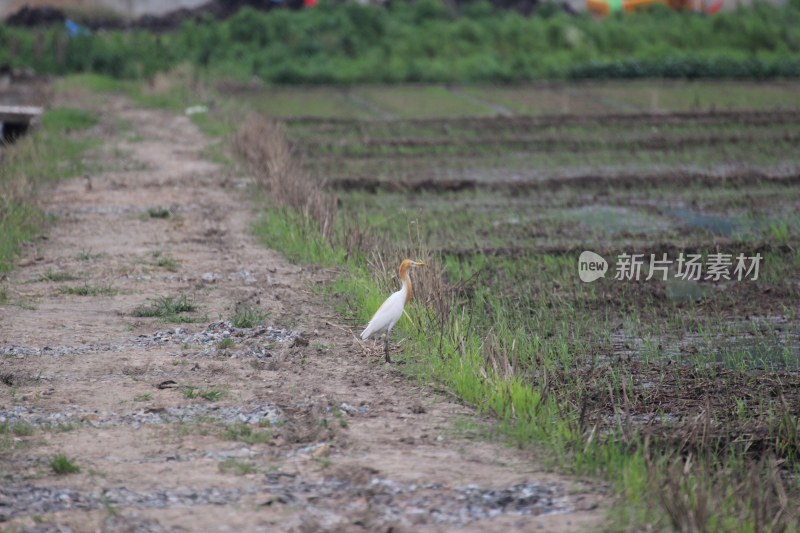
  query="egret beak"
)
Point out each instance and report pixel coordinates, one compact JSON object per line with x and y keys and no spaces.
{"x":420,"y":264}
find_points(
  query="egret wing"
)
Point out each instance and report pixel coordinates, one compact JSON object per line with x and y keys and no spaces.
{"x":386,"y":316}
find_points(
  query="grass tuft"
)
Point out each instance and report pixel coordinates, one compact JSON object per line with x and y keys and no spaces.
{"x":159,"y":212}
{"x":86,"y":290}
{"x":54,"y":276}
{"x":211,"y":395}
{"x":238,"y":468}
{"x":247,"y":317}
{"x":167,"y":263}
{"x":166,"y":307}
{"x":226,"y":343}
{"x":245,"y":433}
{"x":87,"y":255}
{"x":62,"y":465}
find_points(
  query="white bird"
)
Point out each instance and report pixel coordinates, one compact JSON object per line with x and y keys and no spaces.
{"x":391,"y":310}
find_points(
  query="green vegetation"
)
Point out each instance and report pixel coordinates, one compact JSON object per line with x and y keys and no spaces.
{"x":211,"y":395}
{"x":53,"y":151}
{"x":424,"y":41}
{"x":159,"y":212}
{"x":296,"y":237}
{"x":226,"y":343}
{"x":62,"y":465}
{"x":66,"y":119}
{"x":237,"y":468}
{"x":655,"y":386}
{"x":246,"y":316}
{"x":86,"y":290}
{"x":168,"y":308}
{"x":54,"y":276}
{"x":19,"y":429}
{"x":166,"y":262}
{"x":87,"y":255}
{"x":146,"y":397}
{"x":245,"y":433}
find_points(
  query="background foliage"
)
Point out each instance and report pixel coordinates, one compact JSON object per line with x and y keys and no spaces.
{"x":421,"y":41}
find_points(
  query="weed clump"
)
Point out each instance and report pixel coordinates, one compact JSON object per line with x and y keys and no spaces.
{"x":211,"y":395}
{"x":166,"y":307}
{"x":245,"y":433}
{"x":159,"y":212}
{"x":62,"y":465}
{"x":247,"y":317}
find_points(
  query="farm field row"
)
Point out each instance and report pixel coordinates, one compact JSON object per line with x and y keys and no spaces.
{"x":506,"y":204}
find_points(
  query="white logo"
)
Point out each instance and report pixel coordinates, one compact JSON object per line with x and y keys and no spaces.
{"x":591,"y":266}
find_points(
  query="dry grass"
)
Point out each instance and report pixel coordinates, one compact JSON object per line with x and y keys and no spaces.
{"x":691,"y":493}
{"x":279,"y":171}
{"x":263,"y":145}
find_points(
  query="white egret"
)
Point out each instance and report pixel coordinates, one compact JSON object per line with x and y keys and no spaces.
{"x":391,"y":310}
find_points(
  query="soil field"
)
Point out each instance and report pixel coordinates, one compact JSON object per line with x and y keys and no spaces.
{"x":508,"y":202}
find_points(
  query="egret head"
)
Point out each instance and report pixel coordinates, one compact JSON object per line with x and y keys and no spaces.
{"x":408,"y":263}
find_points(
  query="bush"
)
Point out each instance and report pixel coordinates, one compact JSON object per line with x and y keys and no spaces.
{"x":422,"y":41}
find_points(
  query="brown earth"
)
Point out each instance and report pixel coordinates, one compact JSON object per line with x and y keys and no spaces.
{"x":525,"y":124}
{"x":680,"y":177}
{"x":322,"y":434}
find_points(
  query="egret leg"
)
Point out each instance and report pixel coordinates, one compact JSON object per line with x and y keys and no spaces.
{"x":386,"y":347}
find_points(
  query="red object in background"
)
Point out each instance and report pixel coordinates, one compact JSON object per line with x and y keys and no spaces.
{"x":714,"y":7}
{"x":309,"y":3}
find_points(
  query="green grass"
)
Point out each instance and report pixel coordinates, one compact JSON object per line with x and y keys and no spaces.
{"x":341,"y":417}
{"x":245,"y":316}
{"x":66,"y":119}
{"x":146,"y":397}
{"x":247,"y":434}
{"x":54,"y":151}
{"x":168,"y":308}
{"x":59,"y":428}
{"x":87,"y":255}
{"x":280,"y":102}
{"x":57,"y":276}
{"x":20,"y":429}
{"x":296,"y":238}
{"x":86,"y":290}
{"x":91,"y":82}
{"x":62,"y":465}
{"x":237,"y":468}
{"x":226,"y":343}
{"x":159,"y":212}
{"x":552,"y":316}
{"x":167,"y":263}
{"x":211,"y":395}
{"x":422,"y":101}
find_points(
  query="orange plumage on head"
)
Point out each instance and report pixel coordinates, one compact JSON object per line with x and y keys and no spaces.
{"x":404,"y":266}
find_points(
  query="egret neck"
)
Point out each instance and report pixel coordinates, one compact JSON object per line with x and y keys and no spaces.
{"x":406,"y":279}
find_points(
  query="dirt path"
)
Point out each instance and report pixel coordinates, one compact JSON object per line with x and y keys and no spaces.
{"x":309,"y":434}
